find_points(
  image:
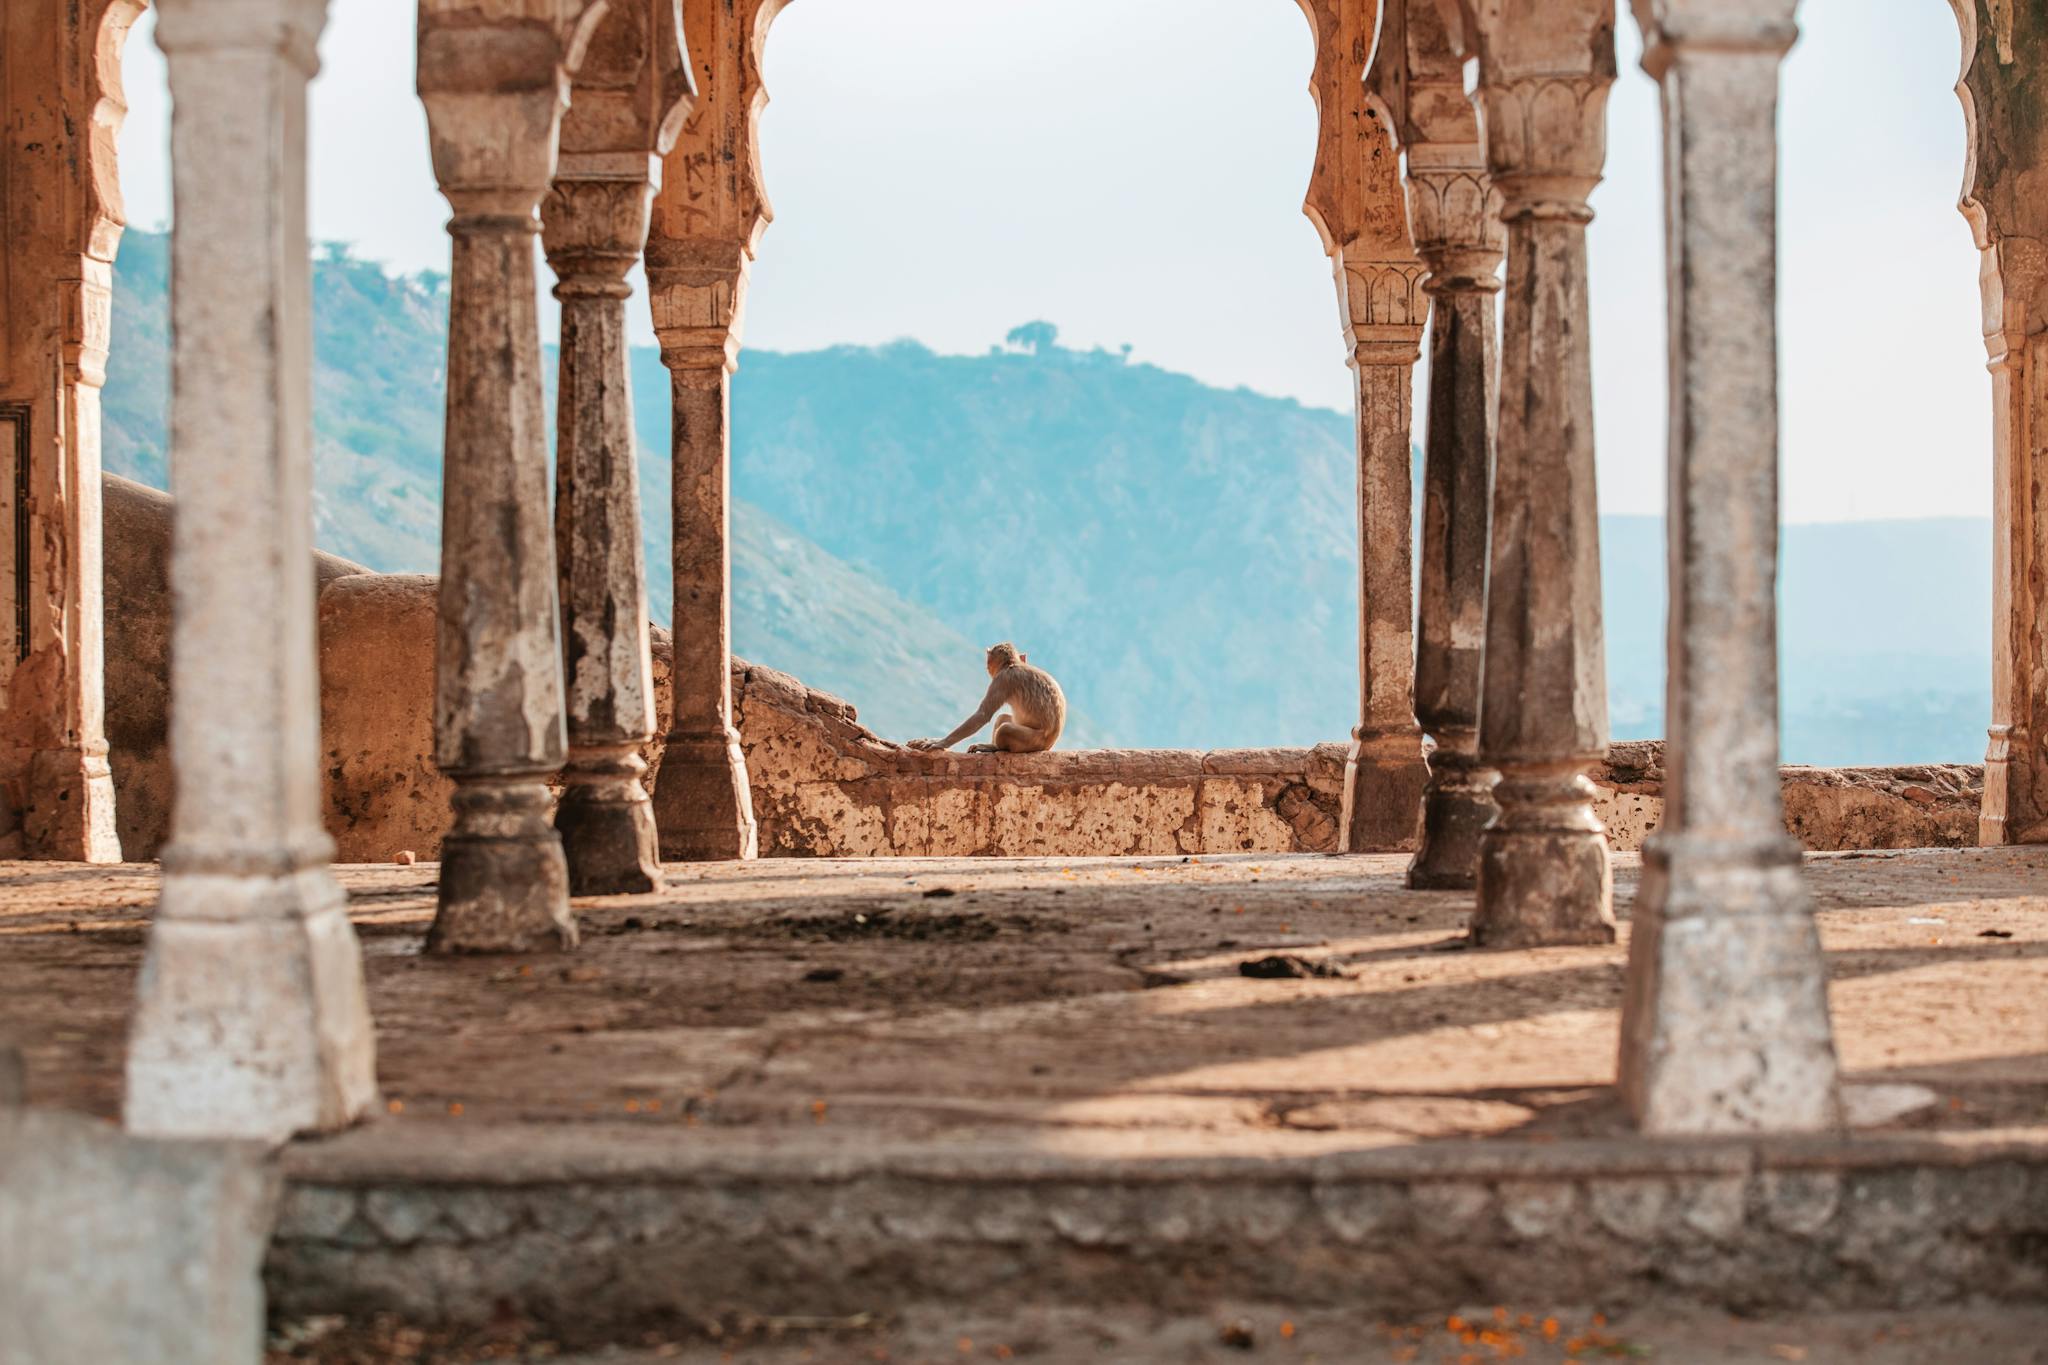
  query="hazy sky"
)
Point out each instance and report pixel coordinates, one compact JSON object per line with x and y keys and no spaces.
{"x":1133,"y":170}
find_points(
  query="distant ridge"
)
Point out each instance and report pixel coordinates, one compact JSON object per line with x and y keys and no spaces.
{"x":1183,"y":558}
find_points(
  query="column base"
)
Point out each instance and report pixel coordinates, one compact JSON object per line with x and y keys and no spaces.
{"x":1725,"y":1018}
{"x":703,"y":804}
{"x":504,"y":879}
{"x":1544,"y":875}
{"x":251,"y":1020}
{"x":2009,"y":813}
{"x":1384,"y":778}
{"x":70,"y":811}
{"x":1457,"y":806}
{"x":606,"y":823}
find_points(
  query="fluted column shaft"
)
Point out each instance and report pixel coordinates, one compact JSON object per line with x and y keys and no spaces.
{"x":708,"y":221}
{"x":252,"y":1020}
{"x":593,"y":231}
{"x":1417,"y":76}
{"x":1725,"y":1022}
{"x":498,"y":718}
{"x":1384,"y":775}
{"x":2015,"y":807}
{"x":1451,"y":609}
{"x":1544,"y":876}
{"x":703,"y":801}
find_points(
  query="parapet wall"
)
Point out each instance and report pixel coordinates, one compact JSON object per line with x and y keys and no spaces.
{"x":825,"y":786}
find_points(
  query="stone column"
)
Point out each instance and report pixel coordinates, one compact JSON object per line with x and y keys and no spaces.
{"x":708,"y":220}
{"x":2006,"y":118}
{"x":705,"y":802}
{"x":1354,"y":199}
{"x":1543,"y":867}
{"x":625,"y":109}
{"x":1384,"y":774}
{"x":61,"y":99}
{"x":251,"y":1020}
{"x":1725,"y":1020}
{"x":495,"y":88}
{"x":1454,"y":218}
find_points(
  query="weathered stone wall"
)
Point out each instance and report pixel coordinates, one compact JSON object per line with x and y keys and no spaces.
{"x":825,"y":786}
{"x":624,"y":1233}
{"x":138,"y":663}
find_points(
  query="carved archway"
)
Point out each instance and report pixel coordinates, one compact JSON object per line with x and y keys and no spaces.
{"x":2005,"y":200}
{"x":63,"y":208}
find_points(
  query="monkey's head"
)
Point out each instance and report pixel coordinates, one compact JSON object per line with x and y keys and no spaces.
{"x":1002,"y":656}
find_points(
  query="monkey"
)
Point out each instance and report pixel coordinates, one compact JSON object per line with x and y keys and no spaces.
{"x":1037,"y":714}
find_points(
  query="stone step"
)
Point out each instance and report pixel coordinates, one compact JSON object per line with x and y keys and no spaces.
{"x":597,"y":1230}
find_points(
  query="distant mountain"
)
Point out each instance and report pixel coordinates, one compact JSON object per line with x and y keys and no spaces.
{"x":1182,"y":557}
{"x":380,"y":345}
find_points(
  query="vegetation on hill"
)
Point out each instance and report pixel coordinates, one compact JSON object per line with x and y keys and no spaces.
{"x":1182,"y":557}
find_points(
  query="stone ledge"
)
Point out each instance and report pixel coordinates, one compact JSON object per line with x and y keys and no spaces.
{"x":605,"y":1233}
{"x":826,"y":786}
{"x":514,"y":1154}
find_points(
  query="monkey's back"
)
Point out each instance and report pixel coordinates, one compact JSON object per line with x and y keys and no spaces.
{"x":1036,"y":700}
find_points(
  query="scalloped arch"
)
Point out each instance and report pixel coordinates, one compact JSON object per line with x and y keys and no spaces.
{"x":102,"y":210}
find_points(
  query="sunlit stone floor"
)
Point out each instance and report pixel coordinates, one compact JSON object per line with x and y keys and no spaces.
{"x":1091,"y":1005}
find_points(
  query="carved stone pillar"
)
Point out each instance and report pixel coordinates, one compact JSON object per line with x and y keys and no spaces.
{"x":2004,"y":48}
{"x":1454,"y":217}
{"x":495,"y":81}
{"x":1543,"y":866}
{"x":708,"y":221}
{"x":1725,"y":1019}
{"x":1355,"y":201}
{"x":60,"y":199}
{"x":252,"y":1020}
{"x":627,"y":103}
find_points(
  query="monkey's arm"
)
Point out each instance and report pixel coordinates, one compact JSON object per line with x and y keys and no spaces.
{"x":998,"y":693}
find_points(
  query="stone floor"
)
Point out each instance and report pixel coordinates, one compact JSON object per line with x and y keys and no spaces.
{"x":1086,"y":1007}
{"x":811,"y":1110}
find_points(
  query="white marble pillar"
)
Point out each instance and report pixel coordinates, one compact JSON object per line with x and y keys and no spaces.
{"x":1725,"y":1020}
{"x":252,"y":1020}
{"x":1544,"y":876}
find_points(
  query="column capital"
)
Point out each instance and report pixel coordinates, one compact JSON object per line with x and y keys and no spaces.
{"x":1761,"y":27}
{"x":628,"y":101}
{"x":1385,"y":308}
{"x":592,"y":231}
{"x":494,"y":77}
{"x":700,"y":307}
{"x":1453,"y":210}
{"x":289,"y":28}
{"x":1544,"y":73}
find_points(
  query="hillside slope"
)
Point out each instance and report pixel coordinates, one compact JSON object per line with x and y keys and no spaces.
{"x":1182,"y":557}
{"x":380,"y":344}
